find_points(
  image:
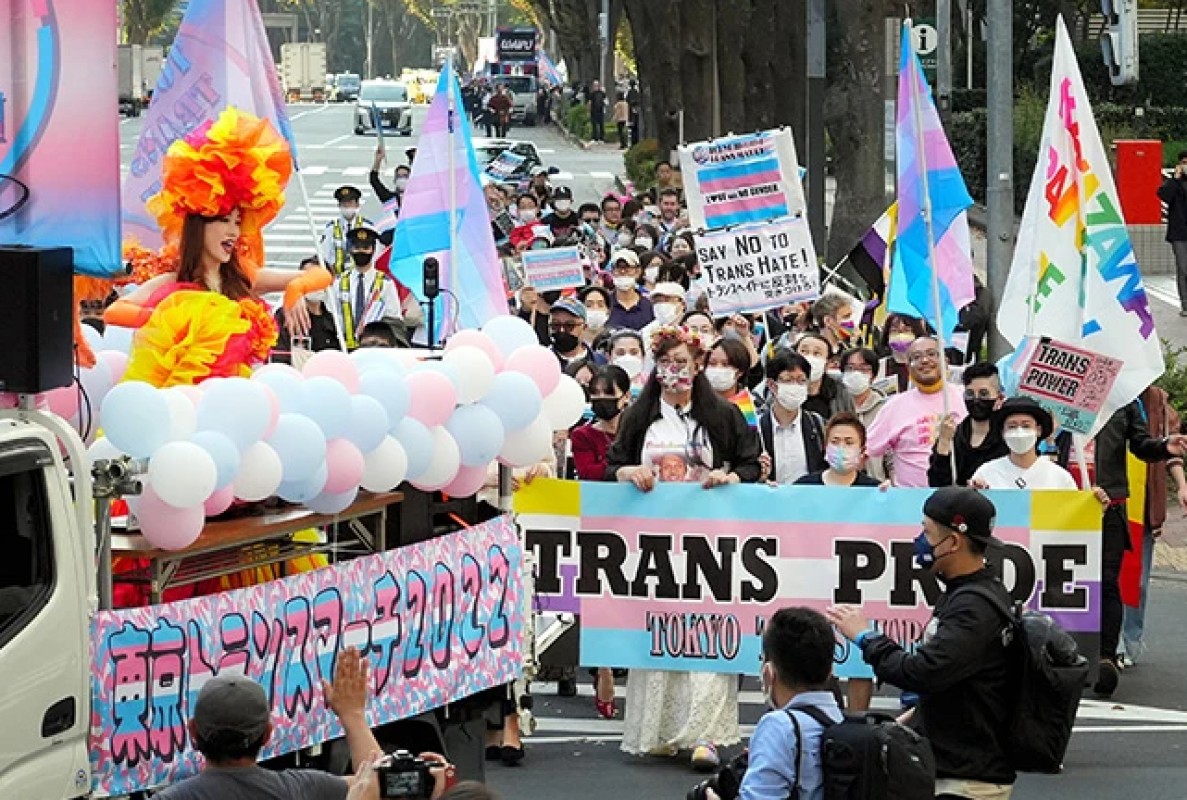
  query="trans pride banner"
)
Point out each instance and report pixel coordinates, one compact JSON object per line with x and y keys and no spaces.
{"x":59,"y":131}
{"x":440,"y":620}
{"x":740,"y":179}
{"x":684,"y":578}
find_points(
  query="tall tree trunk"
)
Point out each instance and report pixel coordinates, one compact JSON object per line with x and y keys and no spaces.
{"x":733,"y":32}
{"x":654,"y":24}
{"x":854,"y":117}
{"x":759,"y":57}
{"x":698,"y":24}
{"x":789,"y":57}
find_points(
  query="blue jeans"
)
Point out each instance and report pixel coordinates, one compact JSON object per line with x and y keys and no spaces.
{"x":1135,"y":618}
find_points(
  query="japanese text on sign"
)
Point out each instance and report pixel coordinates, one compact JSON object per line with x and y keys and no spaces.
{"x":757,"y":267}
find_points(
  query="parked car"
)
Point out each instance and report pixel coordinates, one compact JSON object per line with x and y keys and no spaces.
{"x":390,"y":101}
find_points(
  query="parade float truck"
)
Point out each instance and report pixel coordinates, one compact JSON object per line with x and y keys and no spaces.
{"x":96,"y":699}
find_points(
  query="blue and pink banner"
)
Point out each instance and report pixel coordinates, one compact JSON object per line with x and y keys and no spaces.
{"x":220,"y":58}
{"x":684,"y":578}
{"x":439,"y":621}
{"x":59,"y":130}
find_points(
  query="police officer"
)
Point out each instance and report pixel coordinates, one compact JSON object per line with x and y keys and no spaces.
{"x":363,"y":295}
{"x":333,"y":239}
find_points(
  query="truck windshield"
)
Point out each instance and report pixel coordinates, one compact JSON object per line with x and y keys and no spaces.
{"x":518,"y":84}
{"x":383,"y":93}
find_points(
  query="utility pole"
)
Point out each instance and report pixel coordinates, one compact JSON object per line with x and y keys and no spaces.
{"x":944,"y":58}
{"x":999,"y":191}
{"x":604,"y":33}
{"x":817,"y":56}
{"x":370,"y":39}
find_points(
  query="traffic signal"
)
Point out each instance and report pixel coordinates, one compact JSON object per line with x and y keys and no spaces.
{"x":1119,"y":40}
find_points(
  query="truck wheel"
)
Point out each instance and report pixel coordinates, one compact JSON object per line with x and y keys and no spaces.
{"x":358,"y":130}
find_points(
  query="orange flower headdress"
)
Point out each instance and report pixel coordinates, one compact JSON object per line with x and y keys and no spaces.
{"x":238,"y":161}
{"x":680,"y":335}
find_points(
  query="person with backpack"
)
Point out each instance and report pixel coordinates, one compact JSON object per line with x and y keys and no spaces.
{"x":962,"y":669}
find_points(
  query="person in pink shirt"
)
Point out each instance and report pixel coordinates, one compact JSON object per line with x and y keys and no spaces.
{"x":908,"y":423}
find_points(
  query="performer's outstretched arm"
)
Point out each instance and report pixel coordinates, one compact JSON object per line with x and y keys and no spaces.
{"x":133,"y":310}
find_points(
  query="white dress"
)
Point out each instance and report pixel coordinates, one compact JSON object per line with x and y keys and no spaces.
{"x":668,"y":711}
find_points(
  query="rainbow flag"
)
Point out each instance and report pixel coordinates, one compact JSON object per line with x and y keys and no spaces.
{"x":472,"y":286}
{"x":745,"y":403}
{"x":927,"y":171}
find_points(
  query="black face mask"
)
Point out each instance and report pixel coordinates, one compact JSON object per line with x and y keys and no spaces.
{"x":605,"y":409}
{"x":361,"y":259}
{"x":564,"y":342}
{"x":980,"y":408}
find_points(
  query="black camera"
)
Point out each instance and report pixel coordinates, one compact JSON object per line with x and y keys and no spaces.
{"x":402,"y":774}
{"x":726,"y":783}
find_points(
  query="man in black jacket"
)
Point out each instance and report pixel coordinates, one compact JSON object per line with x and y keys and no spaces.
{"x":974,"y":440}
{"x":962,"y":668}
{"x":1127,"y":427}
{"x":792,"y":437}
{"x":1173,"y":192}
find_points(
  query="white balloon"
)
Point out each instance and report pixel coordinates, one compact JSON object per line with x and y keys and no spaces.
{"x":528,"y":446}
{"x":118,"y":338}
{"x":259,"y":475}
{"x":475,"y":373}
{"x":565,"y":405}
{"x":385,"y":467}
{"x":182,"y":474}
{"x":510,"y":332}
{"x":447,"y":459}
{"x":93,"y":338}
{"x":183,"y":416}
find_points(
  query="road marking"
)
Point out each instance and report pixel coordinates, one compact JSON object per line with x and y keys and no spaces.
{"x":321,"y":109}
{"x":603,"y":176}
{"x":544,"y":151}
{"x":282,"y":249}
{"x":562,"y":176}
{"x":356,"y":172}
{"x":335,"y":140}
{"x":315,"y":169}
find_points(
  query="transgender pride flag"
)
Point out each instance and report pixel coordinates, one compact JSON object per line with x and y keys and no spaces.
{"x":929,"y":182}
{"x":472,"y":289}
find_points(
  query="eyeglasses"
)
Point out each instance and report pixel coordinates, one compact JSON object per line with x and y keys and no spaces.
{"x":927,"y":355}
{"x":673,"y":362}
{"x":625,"y":269}
{"x":568,"y":327}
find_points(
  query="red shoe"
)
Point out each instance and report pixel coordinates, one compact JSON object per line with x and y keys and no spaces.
{"x":606,"y":708}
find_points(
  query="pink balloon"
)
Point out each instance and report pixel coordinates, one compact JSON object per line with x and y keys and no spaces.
{"x":117,"y":363}
{"x":475,"y":338}
{"x":539,"y":364}
{"x":193,"y":393}
{"x":220,"y":501}
{"x":165,"y":526}
{"x":469,"y":481}
{"x":63,"y":401}
{"x":274,"y":401}
{"x":345,"y":464}
{"x":434,"y":397}
{"x":333,"y":364}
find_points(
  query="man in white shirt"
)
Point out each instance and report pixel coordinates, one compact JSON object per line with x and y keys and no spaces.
{"x":363,"y":295}
{"x":792,"y":439}
{"x":333,"y":242}
{"x":1022,"y":423}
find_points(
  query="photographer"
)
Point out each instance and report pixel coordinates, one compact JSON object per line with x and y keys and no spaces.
{"x":798,"y":645}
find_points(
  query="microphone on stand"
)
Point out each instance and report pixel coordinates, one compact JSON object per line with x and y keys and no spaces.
{"x":432,"y":289}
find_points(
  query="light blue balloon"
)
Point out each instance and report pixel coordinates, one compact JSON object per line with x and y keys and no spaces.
{"x":367,"y":359}
{"x":135,"y":418}
{"x":479,"y":434}
{"x":306,"y":490}
{"x":287,"y":386}
{"x":224,"y":452}
{"x":301,"y":446}
{"x":509,"y":333}
{"x":327,"y":403}
{"x":390,"y":390}
{"x":236,"y":408}
{"x":368,"y":423}
{"x":332,"y":503}
{"x":417,"y":443}
{"x":515,"y":399}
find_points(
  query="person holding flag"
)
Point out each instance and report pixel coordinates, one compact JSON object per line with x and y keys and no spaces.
{"x":364,"y":295}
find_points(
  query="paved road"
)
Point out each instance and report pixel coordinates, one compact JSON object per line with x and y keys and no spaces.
{"x":332,"y":155}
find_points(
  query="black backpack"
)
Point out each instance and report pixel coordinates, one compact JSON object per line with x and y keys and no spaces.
{"x":868,"y":757}
{"x":1049,"y":677}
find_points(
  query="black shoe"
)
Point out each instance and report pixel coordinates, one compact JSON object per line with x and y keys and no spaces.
{"x":494,"y":753}
{"x":1107,"y":677}
{"x":512,"y":756}
{"x":566,"y":687}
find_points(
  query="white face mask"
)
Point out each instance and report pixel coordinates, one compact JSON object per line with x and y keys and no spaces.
{"x":596,"y":318}
{"x":644,"y":241}
{"x":401,"y":183}
{"x":349,"y":214}
{"x":528,"y":215}
{"x":1021,"y":440}
{"x":721,"y":378}
{"x":629,"y":363}
{"x":791,"y":395}
{"x":817,"y":364}
{"x":563,"y":205}
{"x":856,"y":382}
{"x":666,"y":313}
{"x":316,"y":297}
{"x":624,"y":282}
{"x":625,"y":239}
{"x":835,"y":374}
{"x":651,"y":274}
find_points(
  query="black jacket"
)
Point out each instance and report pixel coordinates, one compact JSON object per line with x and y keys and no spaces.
{"x":1173,"y":192}
{"x":968,"y":458}
{"x":963,"y":677}
{"x":323,"y":335}
{"x":813,"y":430}
{"x":1126,"y":426}
{"x":732,"y":439}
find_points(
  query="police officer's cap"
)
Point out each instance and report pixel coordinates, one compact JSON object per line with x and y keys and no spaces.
{"x":347,"y":194}
{"x":361,"y":237}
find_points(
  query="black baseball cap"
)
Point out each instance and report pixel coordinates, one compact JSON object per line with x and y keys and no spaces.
{"x":232,"y":704}
{"x":1025,"y":406}
{"x":964,"y":510}
{"x":562,"y":192}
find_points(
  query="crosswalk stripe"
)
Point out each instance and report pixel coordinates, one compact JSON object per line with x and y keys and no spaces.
{"x":315,"y":169}
{"x":563,"y":176}
{"x":602,"y":176}
{"x":356,"y":172}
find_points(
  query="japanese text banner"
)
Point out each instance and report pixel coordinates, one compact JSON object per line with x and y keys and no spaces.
{"x":439,"y":621}
{"x":684,"y":578}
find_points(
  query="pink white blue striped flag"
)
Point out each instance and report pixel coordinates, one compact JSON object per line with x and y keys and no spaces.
{"x":472,"y":286}
{"x":547,"y":69}
{"x":925,"y":158}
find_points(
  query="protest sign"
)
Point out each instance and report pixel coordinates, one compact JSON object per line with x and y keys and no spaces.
{"x":554,"y":268}
{"x":439,"y":621}
{"x":1070,"y":382}
{"x":756,"y":267}
{"x":740,"y":179}
{"x":504,"y":166}
{"x":684,"y":578}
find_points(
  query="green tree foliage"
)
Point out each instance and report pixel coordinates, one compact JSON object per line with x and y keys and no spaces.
{"x":145,"y":19}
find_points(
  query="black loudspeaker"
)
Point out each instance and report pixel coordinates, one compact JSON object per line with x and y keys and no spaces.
{"x":36,"y":324}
